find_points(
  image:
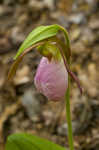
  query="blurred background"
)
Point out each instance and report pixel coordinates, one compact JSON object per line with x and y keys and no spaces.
{"x":22,"y":108}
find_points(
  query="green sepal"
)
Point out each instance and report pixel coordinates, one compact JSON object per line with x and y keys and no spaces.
{"x":50,"y":50}
{"x":42,"y":33}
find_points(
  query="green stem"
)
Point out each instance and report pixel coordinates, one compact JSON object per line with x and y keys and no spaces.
{"x":68,"y":117}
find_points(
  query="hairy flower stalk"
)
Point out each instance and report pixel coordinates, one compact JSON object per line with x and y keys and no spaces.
{"x":51,"y":78}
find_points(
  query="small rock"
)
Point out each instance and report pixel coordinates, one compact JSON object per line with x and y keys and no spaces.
{"x":49,"y":4}
{"x":48,"y":117}
{"x":32,"y":105}
{"x":93,"y":91}
{"x":75,"y":34}
{"x":9,"y":2}
{"x":92,"y":70}
{"x":77,"y":19}
{"x":94,"y":24}
{"x":41,"y":4}
{"x":88,"y":38}
{"x":22,"y":76}
{"x":5,"y":11}
{"x":16,"y":35}
{"x":90,"y":1}
{"x":63,"y":129}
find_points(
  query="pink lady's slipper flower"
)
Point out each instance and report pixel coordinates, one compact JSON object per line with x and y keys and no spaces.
{"x":51,"y":79}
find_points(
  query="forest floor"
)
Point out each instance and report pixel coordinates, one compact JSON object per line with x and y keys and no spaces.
{"x":22,"y":108}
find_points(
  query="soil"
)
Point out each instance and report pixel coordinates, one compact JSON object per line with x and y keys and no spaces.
{"x":22,"y":108}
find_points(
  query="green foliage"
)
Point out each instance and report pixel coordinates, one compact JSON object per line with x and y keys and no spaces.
{"x":36,"y":38}
{"x":50,"y":50}
{"x":23,"y":141}
{"x":41,"y":33}
{"x":37,"y":35}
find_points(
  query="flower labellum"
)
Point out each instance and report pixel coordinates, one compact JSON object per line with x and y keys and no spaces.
{"x":51,"y":79}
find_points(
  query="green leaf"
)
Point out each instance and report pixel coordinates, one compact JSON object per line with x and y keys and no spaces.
{"x":23,"y":141}
{"x":19,"y":59}
{"x":42,"y":33}
{"x":37,"y":35}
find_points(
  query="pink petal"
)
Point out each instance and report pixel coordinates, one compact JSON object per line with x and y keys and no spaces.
{"x":51,"y":79}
